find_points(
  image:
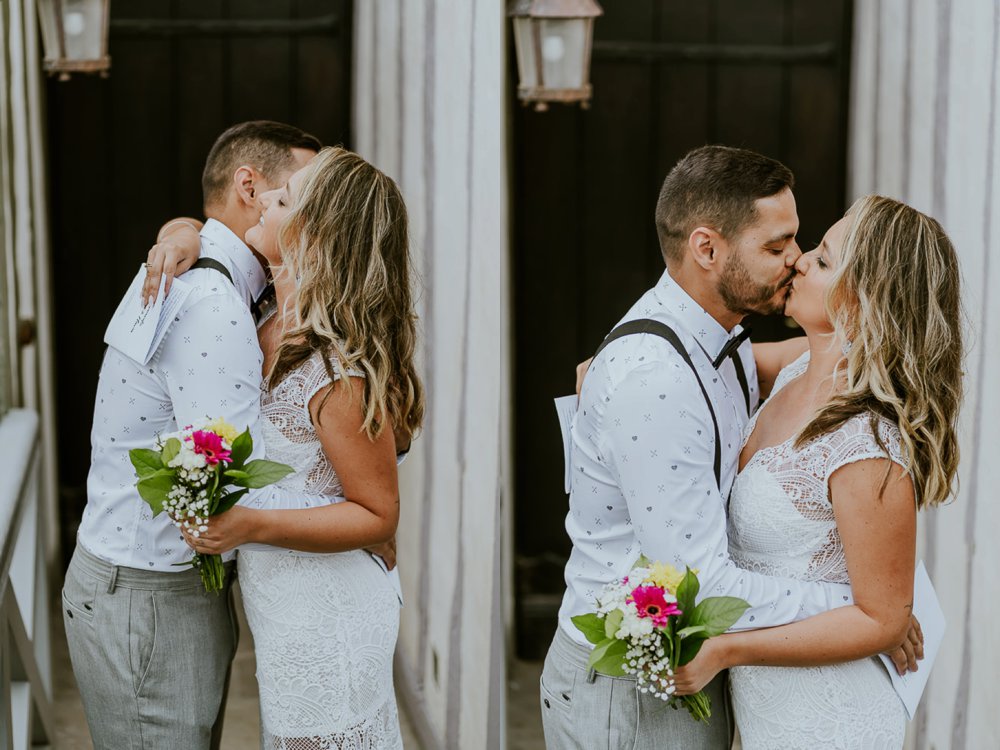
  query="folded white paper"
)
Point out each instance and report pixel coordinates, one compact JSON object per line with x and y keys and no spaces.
{"x":927,"y":609}
{"x":136,"y":331}
{"x":566,"y":409}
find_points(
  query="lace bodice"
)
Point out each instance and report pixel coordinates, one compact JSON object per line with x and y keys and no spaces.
{"x":781,"y":518}
{"x":289,"y":433}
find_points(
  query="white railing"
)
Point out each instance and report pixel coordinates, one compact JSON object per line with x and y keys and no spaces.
{"x":25,"y":655}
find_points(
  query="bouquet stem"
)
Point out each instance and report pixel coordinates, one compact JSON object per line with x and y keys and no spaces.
{"x":698,"y":705}
{"x":213,"y":573}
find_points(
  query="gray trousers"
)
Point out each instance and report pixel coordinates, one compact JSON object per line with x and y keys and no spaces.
{"x":151,"y":653}
{"x":581,"y":709}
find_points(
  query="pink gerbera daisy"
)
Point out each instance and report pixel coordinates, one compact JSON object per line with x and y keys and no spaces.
{"x":210,"y":445}
{"x":650,"y":601}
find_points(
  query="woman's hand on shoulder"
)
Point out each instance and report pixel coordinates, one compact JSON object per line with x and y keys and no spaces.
{"x":177,"y":248}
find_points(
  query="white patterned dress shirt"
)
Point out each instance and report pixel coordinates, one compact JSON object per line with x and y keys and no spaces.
{"x":642,"y":459}
{"x":208,"y":365}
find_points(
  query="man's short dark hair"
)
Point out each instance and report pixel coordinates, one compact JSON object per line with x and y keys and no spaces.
{"x":262,"y":144}
{"x":716,"y":187}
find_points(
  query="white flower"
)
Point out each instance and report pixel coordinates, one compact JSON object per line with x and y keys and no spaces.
{"x":632,"y":626}
{"x":612,"y":597}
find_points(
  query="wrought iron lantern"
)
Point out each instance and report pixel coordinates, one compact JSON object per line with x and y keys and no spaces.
{"x":553,"y":40}
{"x":75,"y":34}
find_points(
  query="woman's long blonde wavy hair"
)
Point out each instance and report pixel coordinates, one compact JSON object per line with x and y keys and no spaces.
{"x":346,"y":241}
{"x":895,"y":298}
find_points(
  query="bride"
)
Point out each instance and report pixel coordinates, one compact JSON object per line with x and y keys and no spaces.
{"x":340,"y":397}
{"x":857,"y":434}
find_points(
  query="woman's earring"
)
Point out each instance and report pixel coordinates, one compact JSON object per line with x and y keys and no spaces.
{"x":846,"y":348}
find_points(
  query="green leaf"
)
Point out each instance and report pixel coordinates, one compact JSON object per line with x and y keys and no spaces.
{"x":241,"y":450}
{"x":598,"y":652}
{"x":145,"y":461}
{"x":170,"y":450}
{"x":668,"y":646}
{"x":718,"y":614}
{"x":691,"y":630}
{"x":226,"y":502}
{"x":690,"y":648}
{"x":154,"y":488}
{"x":612,"y":622}
{"x":591,"y":626}
{"x":687,"y":590}
{"x":236,"y":474}
{"x":612,"y":660}
{"x":261,"y":473}
{"x":642,"y":562}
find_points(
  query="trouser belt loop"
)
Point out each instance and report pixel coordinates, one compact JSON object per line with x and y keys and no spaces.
{"x":113,"y":580}
{"x":592,"y":676}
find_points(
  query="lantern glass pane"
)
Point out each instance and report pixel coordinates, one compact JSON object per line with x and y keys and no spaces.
{"x":83,"y":25}
{"x":47,"y":10}
{"x":524,"y":43}
{"x":563,"y":43}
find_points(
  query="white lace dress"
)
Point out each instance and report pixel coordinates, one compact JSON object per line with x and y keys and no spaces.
{"x":324,"y":625}
{"x":781,"y":524}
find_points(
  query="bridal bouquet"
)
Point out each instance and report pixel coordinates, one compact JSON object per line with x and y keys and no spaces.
{"x":647,"y":625}
{"x":199,"y":472}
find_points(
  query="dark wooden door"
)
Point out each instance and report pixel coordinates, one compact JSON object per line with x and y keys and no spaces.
{"x":127,"y":152}
{"x":668,"y":76}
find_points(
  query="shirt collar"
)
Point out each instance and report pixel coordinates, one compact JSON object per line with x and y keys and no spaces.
{"x":707,"y":331}
{"x":249,"y":275}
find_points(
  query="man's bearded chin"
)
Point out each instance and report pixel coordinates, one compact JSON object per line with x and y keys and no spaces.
{"x":774,"y":303}
{"x":742,"y":296}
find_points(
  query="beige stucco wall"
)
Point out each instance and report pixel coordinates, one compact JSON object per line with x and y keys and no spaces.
{"x":925,"y":129}
{"x":428,"y":84}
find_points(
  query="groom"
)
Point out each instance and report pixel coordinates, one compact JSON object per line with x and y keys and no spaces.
{"x":657,"y":436}
{"x":150,"y":648}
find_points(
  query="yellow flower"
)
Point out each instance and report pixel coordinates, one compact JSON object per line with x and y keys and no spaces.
{"x":223,"y":429}
{"x":665,"y":576}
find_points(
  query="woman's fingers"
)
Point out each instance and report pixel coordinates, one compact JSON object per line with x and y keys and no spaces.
{"x":917,"y":636}
{"x":154,"y":270}
{"x":581,"y":372}
{"x":164,"y":261}
{"x":205,"y":543}
{"x":901,"y":657}
{"x":682,"y":685}
{"x":387,"y":551}
{"x":174,"y":264}
{"x":169,"y":268}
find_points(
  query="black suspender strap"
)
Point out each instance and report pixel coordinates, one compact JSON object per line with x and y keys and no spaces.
{"x":742,"y":377}
{"x":732,"y":350}
{"x":214,"y":264}
{"x":666,"y":332}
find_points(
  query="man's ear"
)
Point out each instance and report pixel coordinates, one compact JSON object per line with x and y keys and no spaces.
{"x":244,"y":180}
{"x":703,"y":244}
